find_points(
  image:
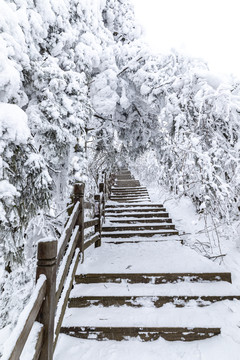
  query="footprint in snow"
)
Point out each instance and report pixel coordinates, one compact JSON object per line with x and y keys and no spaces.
{"x":129,"y":267}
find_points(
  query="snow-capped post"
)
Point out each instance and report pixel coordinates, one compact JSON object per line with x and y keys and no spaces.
{"x":101,"y":187}
{"x":110,"y":183}
{"x":97,"y":214}
{"x":102,"y":193}
{"x":78,"y":195}
{"x":105,"y":183}
{"x":46,"y":265}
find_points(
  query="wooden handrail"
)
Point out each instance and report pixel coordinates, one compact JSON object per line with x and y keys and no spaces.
{"x":57,"y":265}
{"x":90,"y":223}
{"x":61,"y":307}
{"x":64,"y":266}
{"x":15,"y":344}
{"x":91,"y":240}
{"x":63,"y":241}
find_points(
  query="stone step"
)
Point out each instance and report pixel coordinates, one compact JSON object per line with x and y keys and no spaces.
{"x":133,"y":227}
{"x":145,"y":233}
{"x":152,"y":278}
{"x":147,"y":301}
{"x":143,"y":333}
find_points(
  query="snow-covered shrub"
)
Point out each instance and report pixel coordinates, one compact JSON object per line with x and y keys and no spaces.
{"x":23,"y":173}
{"x":199,"y":143}
{"x":50,"y":53}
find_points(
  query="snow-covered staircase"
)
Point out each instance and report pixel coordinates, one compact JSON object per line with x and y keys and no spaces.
{"x":131,"y":213}
{"x":147,"y":286}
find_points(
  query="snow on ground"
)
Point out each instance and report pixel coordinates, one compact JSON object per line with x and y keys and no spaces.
{"x":191,"y":227}
{"x":75,"y":349}
{"x":163,"y":256}
{"x":157,"y":254}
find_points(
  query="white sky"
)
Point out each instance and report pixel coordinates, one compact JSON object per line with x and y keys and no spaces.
{"x":209,"y":29}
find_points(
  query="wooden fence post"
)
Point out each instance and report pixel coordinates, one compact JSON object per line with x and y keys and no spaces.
{"x":105,"y":183}
{"x":78,"y":195}
{"x":98,"y":214}
{"x":101,"y":190}
{"x":101,"y":187}
{"x":47,"y":255}
{"x":109,"y":184}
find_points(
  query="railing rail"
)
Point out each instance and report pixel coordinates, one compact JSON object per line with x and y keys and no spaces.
{"x":14,"y":345}
{"x":56,"y":268}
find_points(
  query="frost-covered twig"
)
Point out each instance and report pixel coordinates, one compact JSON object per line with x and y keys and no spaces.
{"x":127,"y":67}
{"x":54,"y":170}
{"x":216,"y":256}
{"x":55,"y":217}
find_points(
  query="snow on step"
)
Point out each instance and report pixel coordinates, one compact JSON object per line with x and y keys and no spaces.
{"x":134,"y":211}
{"x":220,"y":288}
{"x":146,"y":226}
{"x":150,"y":257}
{"x":135,"y":207}
{"x":129,"y":188}
{"x":135,"y":220}
{"x":143,"y":257}
{"x":142,"y":233}
{"x":136,"y":192}
{"x":137,"y":214}
{"x":134,"y":195}
{"x":123,"y":206}
{"x":138,"y":239}
{"x":130,"y":201}
{"x":221,"y":348}
{"x":216,"y":315}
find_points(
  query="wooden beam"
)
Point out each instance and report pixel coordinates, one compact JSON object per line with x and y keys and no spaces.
{"x":46,"y":265}
{"x":66,"y":293}
{"x":24,"y":325}
{"x":144,"y":333}
{"x":138,"y":301}
{"x":153,"y":278}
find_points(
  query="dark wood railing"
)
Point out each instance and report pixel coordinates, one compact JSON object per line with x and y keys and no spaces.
{"x":56,"y":268}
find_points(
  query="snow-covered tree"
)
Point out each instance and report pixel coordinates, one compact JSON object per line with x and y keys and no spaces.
{"x":79,"y":92}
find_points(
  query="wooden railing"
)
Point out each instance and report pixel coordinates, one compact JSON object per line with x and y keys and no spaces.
{"x":56,"y":268}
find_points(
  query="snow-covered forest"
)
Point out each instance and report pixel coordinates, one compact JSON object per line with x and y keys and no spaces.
{"x":81,"y":92}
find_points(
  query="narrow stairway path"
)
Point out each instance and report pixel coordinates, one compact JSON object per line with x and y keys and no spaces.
{"x":142,"y":283}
